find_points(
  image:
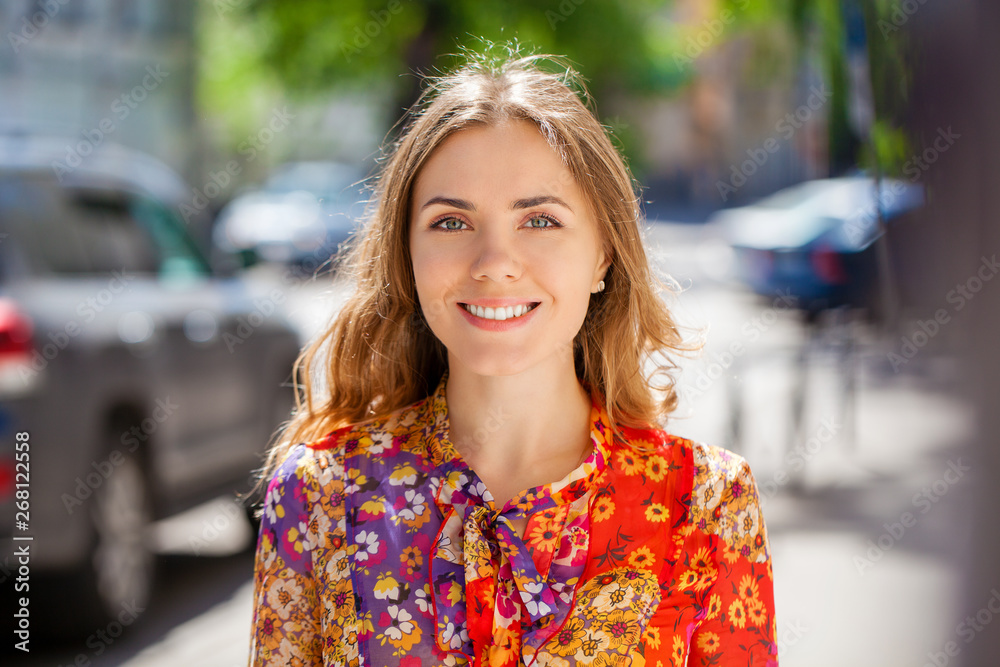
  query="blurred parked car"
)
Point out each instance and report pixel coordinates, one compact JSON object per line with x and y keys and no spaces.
{"x":816,"y":240}
{"x":147,"y":380}
{"x":300,"y":216}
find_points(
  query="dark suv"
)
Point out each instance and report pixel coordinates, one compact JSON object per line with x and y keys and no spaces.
{"x":146,"y":380}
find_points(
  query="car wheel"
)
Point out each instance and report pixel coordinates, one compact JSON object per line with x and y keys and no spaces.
{"x":122,"y":562}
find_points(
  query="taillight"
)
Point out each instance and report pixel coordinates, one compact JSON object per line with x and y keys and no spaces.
{"x":15,"y":331}
{"x":16,"y":374}
{"x":6,"y":479}
{"x":829,"y":266}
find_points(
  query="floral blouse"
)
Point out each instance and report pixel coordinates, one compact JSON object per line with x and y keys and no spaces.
{"x":379,"y":546}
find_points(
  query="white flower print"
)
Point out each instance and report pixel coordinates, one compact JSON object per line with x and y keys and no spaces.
{"x":380,"y":442}
{"x":532,"y":598}
{"x":415,"y":506}
{"x":271,"y":501}
{"x":453,"y":636}
{"x":368,"y":541}
{"x":747,"y":522}
{"x":282,"y":596}
{"x":422,"y":598}
{"x":321,"y":520}
{"x":614,"y":596}
{"x":402,"y":623}
{"x":711,"y":493}
{"x":309,"y":539}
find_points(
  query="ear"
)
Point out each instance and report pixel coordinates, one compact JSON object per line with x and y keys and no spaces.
{"x":604,"y":257}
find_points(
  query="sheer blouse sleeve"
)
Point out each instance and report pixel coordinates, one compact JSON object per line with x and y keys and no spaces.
{"x":738,"y":627}
{"x":286,"y":620}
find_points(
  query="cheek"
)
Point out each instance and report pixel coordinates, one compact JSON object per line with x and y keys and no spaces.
{"x":568,"y":270}
{"x":435,"y":280}
{"x":424,"y":264}
{"x":433,"y":272}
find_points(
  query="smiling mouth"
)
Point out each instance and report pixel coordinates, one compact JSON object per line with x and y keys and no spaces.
{"x":500,"y":313}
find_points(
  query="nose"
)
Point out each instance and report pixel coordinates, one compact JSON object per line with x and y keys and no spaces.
{"x":496,"y":257}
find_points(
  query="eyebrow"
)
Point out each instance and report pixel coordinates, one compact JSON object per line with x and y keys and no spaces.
{"x":531,"y":202}
{"x":465,"y":205}
{"x":450,"y":201}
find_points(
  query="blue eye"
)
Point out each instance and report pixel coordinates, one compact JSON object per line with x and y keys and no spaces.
{"x":449,"y":224}
{"x":542,"y":222}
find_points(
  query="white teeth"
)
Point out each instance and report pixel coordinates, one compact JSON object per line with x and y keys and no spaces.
{"x":500,"y":313}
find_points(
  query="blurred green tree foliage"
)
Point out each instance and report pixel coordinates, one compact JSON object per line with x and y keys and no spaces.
{"x":819,"y":27}
{"x":254,"y":52}
{"x":311,"y":46}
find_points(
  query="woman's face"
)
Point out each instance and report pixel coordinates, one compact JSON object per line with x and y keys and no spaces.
{"x":499,"y":227}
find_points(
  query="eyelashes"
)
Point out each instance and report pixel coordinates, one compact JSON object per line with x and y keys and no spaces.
{"x":546,"y":217}
{"x":443,"y":221}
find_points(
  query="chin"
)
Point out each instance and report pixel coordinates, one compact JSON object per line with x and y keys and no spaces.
{"x":493,"y":363}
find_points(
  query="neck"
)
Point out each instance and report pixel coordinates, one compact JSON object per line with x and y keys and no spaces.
{"x":519,"y":431}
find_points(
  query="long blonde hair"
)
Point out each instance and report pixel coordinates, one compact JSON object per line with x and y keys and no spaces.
{"x":379,"y":354}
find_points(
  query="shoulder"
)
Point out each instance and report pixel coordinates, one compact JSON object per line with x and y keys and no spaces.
{"x":716,"y":466}
{"x":725,"y":501}
{"x":378,"y":437}
{"x":302,"y":519}
{"x":707,"y":463}
{"x":304,"y":466}
{"x":645,"y":443}
{"x":308,"y":470}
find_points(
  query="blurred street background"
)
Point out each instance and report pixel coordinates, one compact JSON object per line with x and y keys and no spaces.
{"x":176,"y":179}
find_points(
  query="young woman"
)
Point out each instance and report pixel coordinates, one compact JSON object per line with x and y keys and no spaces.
{"x":485,"y":480}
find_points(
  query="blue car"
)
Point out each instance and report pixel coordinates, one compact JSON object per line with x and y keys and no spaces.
{"x":816,"y":241}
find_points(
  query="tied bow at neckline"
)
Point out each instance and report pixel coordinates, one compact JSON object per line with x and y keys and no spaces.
{"x":480,"y":563}
{"x":490,"y":545}
{"x":481,"y":570}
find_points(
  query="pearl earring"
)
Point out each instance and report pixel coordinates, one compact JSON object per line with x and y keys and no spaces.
{"x":600,"y":286}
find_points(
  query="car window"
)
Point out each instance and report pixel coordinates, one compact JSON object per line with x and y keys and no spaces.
{"x":85,"y":230}
{"x":33,"y":218}
{"x":112,"y":239}
{"x":180,"y":257}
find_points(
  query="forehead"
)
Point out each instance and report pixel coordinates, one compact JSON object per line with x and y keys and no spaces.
{"x":511,"y":157}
